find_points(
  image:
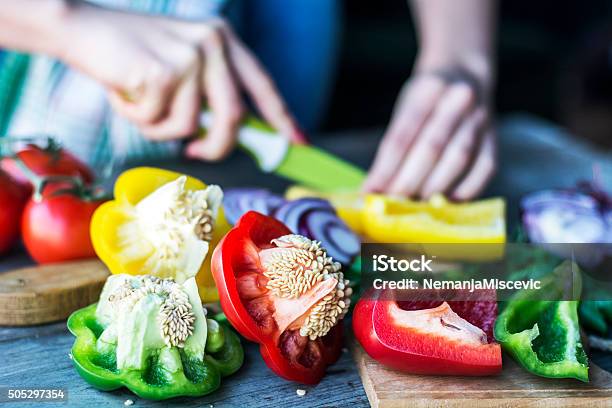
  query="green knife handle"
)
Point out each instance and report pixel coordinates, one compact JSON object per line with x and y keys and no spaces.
{"x":303,"y":164}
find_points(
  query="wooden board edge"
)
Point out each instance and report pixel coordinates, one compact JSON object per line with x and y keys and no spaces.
{"x":32,"y":304}
{"x":380,"y":401}
{"x":83,"y":296}
{"x":358,"y":356}
{"x":496,"y":403}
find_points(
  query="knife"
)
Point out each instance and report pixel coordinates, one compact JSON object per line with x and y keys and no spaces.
{"x":303,"y":164}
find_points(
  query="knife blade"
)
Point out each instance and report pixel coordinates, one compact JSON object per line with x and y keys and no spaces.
{"x":303,"y":164}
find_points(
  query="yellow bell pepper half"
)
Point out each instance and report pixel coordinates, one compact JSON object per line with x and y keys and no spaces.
{"x":131,"y":187}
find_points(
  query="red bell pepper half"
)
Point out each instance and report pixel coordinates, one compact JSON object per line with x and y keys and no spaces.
{"x":429,"y":337}
{"x":242,"y":275}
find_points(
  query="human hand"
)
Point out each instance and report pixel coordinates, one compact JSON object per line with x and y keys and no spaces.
{"x":440,"y":140}
{"x":158,"y":72}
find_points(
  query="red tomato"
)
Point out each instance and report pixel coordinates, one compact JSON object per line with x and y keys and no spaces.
{"x":56,"y":227}
{"x":53,"y":161}
{"x":422,"y":337}
{"x":12,"y":200}
{"x":250,"y":307}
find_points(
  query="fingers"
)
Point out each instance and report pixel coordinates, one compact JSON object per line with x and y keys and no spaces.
{"x":414,"y":106}
{"x":183,"y":116}
{"x":165,"y":103}
{"x":163,"y":97}
{"x":224,"y":101}
{"x":456,"y":157}
{"x":261,"y":88}
{"x":455,"y":104}
{"x":146,"y":101}
{"x":481,"y":171}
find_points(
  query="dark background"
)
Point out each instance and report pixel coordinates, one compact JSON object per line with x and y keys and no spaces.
{"x":554,"y":60}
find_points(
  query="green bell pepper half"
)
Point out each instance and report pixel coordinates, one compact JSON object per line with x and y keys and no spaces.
{"x":544,"y":335}
{"x":224,"y":356}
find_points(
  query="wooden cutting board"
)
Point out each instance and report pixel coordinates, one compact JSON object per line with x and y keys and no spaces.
{"x":47,"y":293}
{"x":514,"y":387}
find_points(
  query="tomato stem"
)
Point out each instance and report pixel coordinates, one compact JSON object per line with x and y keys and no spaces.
{"x":40,"y":182}
{"x":53,"y":149}
{"x":50,"y":144}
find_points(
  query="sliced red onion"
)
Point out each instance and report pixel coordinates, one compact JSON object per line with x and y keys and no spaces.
{"x":338,"y":240}
{"x":238,"y":201}
{"x":292,"y":212}
{"x":316,"y":219}
{"x":557,"y":216}
{"x":608,"y":218}
{"x":560,"y":216}
{"x":569,"y":217}
{"x":312,"y":217}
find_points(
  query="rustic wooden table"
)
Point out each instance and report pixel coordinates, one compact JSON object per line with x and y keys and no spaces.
{"x":533,"y":157}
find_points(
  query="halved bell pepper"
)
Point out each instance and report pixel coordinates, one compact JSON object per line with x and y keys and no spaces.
{"x":282,"y":291}
{"x":544,"y":335}
{"x":120,"y":245}
{"x":429,"y":336}
{"x":152,"y":337}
